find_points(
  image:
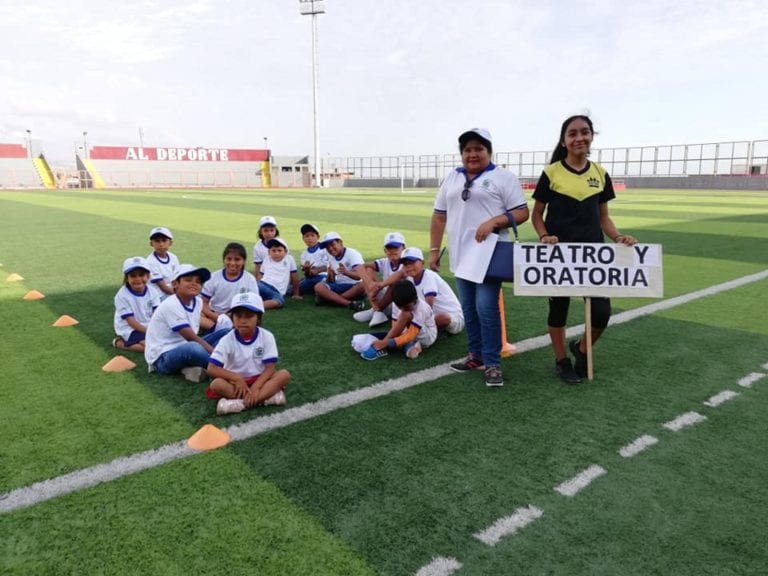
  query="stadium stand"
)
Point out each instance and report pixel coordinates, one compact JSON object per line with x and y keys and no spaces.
{"x":19,"y":170}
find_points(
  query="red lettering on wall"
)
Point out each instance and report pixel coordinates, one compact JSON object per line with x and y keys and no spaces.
{"x":13,"y":151}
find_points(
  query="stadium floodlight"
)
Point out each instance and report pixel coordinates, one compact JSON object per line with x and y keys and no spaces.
{"x":29,"y":143}
{"x":313,"y":8}
{"x":85,"y":144}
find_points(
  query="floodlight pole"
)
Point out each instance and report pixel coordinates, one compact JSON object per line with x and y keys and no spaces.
{"x":85,"y":144}
{"x":313,"y":8}
{"x":29,"y":143}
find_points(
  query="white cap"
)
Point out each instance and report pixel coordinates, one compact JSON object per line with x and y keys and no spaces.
{"x":160,"y":230}
{"x":267,"y":221}
{"x":279,"y":241}
{"x":482,"y":133}
{"x":189,"y":269}
{"x":394,"y":239}
{"x":248,"y":300}
{"x":412,"y":253}
{"x":328,"y":238}
{"x":133,"y":263}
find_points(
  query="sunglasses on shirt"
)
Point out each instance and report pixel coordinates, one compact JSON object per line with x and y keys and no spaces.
{"x":466,"y":193}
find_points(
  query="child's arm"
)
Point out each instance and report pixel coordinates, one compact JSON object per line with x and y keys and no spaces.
{"x":188,"y":334}
{"x":164,"y":287}
{"x":399,"y":327}
{"x":207,"y":312}
{"x":295,"y":283}
{"x":253,"y":393}
{"x":135,"y":324}
{"x":215,"y":371}
{"x":257,"y":270}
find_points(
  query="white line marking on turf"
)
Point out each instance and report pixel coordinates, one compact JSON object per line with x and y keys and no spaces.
{"x":509,"y":525}
{"x":720,"y":397}
{"x":580,"y":481}
{"x":638,"y":445}
{"x":439,"y":567}
{"x":68,"y":483}
{"x":750,"y":379}
{"x":764,"y":366}
{"x":684,"y":420}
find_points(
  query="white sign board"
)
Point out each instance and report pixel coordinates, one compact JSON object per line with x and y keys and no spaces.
{"x":589,"y":269}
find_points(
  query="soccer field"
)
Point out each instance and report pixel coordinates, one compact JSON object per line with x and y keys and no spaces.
{"x":656,"y":467}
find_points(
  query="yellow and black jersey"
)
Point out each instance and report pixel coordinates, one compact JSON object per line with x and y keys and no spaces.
{"x":573,"y":200}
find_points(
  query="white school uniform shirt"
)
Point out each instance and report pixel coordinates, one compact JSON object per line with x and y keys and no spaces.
{"x":432,"y":284}
{"x":130,"y":304}
{"x":162,"y":269}
{"x":220,"y":290}
{"x":350,"y":258}
{"x":163,"y":329}
{"x":316,"y":256}
{"x":385,"y":268}
{"x":278,"y":274}
{"x":493,"y":192}
{"x":423,"y":319}
{"x":247,"y":358}
{"x":260,"y":252}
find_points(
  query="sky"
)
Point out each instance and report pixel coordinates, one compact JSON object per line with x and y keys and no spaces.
{"x":395,"y":76}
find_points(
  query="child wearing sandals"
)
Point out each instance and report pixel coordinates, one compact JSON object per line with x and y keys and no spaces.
{"x":243,"y":364}
{"x":134,"y":304}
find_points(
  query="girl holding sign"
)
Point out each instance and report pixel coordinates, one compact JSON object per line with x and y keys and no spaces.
{"x":571,"y":205}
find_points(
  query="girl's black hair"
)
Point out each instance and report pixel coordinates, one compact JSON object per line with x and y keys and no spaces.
{"x":235,"y":247}
{"x":403,"y":293}
{"x":560,"y":152}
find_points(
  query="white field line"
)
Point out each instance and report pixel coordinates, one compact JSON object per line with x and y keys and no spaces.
{"x":720,"y":397}
{"x":637,"y":445}
{"x":764,"y":366}
{"x":89,"y":477}
{"x":440,"y":567}
{"x":684,"y":420}
{"x":580,"y":481}
{"x":509,"y":525}
{"x":750,"y":379}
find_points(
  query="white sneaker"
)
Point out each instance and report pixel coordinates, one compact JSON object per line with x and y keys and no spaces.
{"x":363,"y":315}
{"x":194,"y":374}
{"x":276,"y":400}
{"x":378,"y":318}
{"x":414,"y":351}
{"x":227,"y":406}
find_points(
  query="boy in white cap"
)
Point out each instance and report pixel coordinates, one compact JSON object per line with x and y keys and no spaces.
{"x":172,"y":344}
{"x":342,"y":286}
{"x":134,"y":304}
{"x":278,"y":274}
{"x":314,"y":259}
{"x":267,"y":230}
{"x":379,"y":293}
{"x":162,"y":262}
{"x":243,"y":364}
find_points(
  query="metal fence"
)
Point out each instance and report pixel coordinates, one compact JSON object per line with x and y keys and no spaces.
{"x":717,"y":158}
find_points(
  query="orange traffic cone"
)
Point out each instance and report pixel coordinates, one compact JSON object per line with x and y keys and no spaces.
{"x":14,"y":278}
{"x":209,"y":438}
{"x":34,"y":295}
{"x":507,"y":349}
{"x":65,"y":321}
{"x":118,"y":364}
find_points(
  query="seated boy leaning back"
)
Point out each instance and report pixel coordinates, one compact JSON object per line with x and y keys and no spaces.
{"x":172,"y":344}
{"x":243,"y":364}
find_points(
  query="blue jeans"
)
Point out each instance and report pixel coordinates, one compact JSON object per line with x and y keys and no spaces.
{"x":269,"y":292}
{"x":187,"y":354}
{"x":307,"y":285}
{"x":480,"y":303}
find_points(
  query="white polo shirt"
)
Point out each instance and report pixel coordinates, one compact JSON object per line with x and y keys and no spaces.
{"x":350,"y":258}
{"x":129,"y":304}
{"x":316,"y":256}
{"x":423,"y":319}
{"x":163,"y":329}
{"x":247,"y":358}
{"x":278,"y":274}
{"x":219,"y":290}
{"x":494,"y":192}
{"x":432,"y":284}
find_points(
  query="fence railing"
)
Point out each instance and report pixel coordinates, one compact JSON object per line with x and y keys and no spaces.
{"x":716,"y":158}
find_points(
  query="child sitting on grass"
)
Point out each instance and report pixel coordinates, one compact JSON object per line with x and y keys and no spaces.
{"x":243,"y":364}
{"x":134,"y":305}
{"x":224,"y":284}
{"x":413,"y":325}
{"x":378,"y":293}
{"x":162,"y":262}
{"x":314,"y":260}
{"x":278,"y":274}
{"x":172,"y":344}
